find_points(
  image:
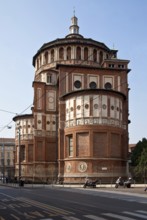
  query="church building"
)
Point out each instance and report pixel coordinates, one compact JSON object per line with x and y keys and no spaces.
{"x":79,"y":122}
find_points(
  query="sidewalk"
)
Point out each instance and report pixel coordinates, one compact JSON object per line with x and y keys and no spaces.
{"x":135,"y":188}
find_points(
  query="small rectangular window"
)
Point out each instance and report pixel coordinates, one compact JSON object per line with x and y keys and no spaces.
{"x":111,"y":65}
{"x":39,"y":98}
{"x":70,"y":146}
{"x":8,"y":155}
{"x":121,"y":66}
{"x":22,"y":153}
{"x":49,"y":78}
{"x":8,"y":162}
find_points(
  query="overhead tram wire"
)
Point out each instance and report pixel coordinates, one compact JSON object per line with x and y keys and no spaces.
{"x":45,"y":92}
{"x":16,"y":114}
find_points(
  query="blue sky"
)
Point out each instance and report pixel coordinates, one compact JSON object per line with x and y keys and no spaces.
{"x":25,"y":25}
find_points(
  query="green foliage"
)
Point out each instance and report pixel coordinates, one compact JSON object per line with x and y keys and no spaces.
{"x":137,"y":152}
{"x":139,"y":159}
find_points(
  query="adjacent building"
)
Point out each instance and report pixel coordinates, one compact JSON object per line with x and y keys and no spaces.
{"x":79,"y":122}
{"x":7,"y":159}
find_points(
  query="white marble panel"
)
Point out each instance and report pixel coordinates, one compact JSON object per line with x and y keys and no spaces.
{"x":96,"y":106}
{"x":104,"y":106}
{"x":86,"y":106}
{"x":79,"y":107}
{"x":67,"y":110}
{"x":39,"y":121}
{"x":71,"y":109}
{"x":112,"y":107}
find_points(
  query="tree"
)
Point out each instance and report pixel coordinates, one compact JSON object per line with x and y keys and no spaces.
{"x":139,"y":159}
{"x":138,"y":151}
{"x":141,"y":167}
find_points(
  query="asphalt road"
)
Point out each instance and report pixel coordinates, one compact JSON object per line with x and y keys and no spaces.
{"x":59,"y":203}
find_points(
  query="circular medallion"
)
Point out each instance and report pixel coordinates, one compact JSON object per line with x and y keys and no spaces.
{"x":96,"y":106}
{"x":68,"y":167}
{"x":86,"y":106}
{"x":78,"y":107}
{"x":104,"y":106}
{"x":51,"y":99}
{"x":82,"y":167}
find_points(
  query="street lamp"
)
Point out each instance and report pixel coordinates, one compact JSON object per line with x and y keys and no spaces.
{"x":19,"y":160}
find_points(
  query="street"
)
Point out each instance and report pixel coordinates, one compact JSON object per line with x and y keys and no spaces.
{"x":56,"y":203}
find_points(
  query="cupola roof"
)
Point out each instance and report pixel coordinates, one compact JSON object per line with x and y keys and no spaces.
{"x":74,"y":28}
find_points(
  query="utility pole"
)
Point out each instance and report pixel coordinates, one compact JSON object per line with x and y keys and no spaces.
{"x":3,"y":158}
{"x":19,"y":150}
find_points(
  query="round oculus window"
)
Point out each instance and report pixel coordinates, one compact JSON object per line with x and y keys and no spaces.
{"x":92,"y":85}
{"x":108,"y":85}
{"x":77,"y":84}
{"x":96,"y":106}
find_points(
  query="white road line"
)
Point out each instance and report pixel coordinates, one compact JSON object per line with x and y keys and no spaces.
{"x":136,"y":215}
{"x":141,"y":211}
{"x":47,"y":219}
{"x":94,"y":217}
{"x":2,"y":207}
{"x":15,"y":217}
{"x":70,"y":218}
{"x":118,"y":216}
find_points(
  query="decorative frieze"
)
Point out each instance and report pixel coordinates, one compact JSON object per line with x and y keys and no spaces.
{"x":94,"y":121}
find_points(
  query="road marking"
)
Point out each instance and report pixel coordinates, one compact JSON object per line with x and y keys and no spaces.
{"x":36,"y":213}
{"x":2,"y":207}
{"x":5,"y":200}
{"x":1,"y":218}
{"x":14,"y":216}
{"x":13,"y":206}
{"x":70,"y":218}
{"x":118,"y":216}
{"x":28,"y":215}
{"x":135,"y":214}
{"x":94,"y":217}
{"x":45,"y":206}
{"x":143,"y":212}
{"x":51,"y":213}
{"x":25,"y":205}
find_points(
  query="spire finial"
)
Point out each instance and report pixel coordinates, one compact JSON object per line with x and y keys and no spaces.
{"x":74,"y":11}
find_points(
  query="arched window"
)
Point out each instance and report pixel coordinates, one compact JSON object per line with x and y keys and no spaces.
{"x":68,"y":53}
{"x":37,"y":64}
{"x":101,"y":57}
{"x":40,"y":60}
{"x":78,"y":53}
{"x":61,"y":53}
{"x":95,"y":55}
{"x":86,"y":53}
{"x":46,"y":57}
{"x":52,"y":55}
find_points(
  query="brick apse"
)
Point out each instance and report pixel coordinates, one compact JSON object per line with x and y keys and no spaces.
{"x":79,"y":122}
